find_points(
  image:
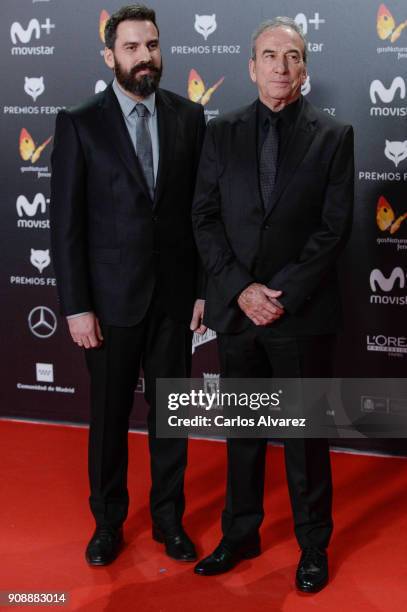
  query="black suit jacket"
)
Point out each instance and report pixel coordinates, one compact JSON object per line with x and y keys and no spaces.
{"x":293,"y":246}
{"x":112,"y":246}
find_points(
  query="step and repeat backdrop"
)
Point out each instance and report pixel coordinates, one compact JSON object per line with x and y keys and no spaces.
{"x":52,"y":57}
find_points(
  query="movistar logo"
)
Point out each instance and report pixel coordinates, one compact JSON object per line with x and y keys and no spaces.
{"x":378,"y":279}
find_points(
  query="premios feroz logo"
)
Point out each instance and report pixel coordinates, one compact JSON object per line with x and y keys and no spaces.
{"x":206,"y":26}
{"x":30,"y":151}
{"x":396,"y":151}
{"x":34,"y":87}
{"x":22,"y":34}
{"x":40,"y":259}
{"x":389,"y":30}
{"x":395,"y":154}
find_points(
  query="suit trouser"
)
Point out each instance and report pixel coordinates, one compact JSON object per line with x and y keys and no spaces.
{"x":163,"y":348}
{"x":260,"y":353}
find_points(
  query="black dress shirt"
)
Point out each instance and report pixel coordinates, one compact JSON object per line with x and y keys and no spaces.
{"x":287,"y":119}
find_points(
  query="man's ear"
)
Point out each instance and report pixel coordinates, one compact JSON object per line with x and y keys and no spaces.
{"x":304,"y":75}
{"x":109,"y":58}
{"x":252,"y":70}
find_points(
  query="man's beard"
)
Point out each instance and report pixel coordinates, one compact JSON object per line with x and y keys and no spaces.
{"x":143,"y":86}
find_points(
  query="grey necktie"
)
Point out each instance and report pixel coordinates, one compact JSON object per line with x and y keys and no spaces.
{"x":144,"y":146}
{"x":268,"y":162}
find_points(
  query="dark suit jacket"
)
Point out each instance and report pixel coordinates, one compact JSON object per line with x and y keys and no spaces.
{"x":111,"y":244}
{"x":294,"y":245}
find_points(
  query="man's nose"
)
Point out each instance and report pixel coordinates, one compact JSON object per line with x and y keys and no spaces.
{"x":144,"y":54}
{"x":280,"y":64}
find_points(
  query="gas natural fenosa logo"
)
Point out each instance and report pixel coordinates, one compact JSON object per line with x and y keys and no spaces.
{"x":197,"y":90}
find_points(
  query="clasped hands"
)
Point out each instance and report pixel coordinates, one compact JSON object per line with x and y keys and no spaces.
{"x":260,"y":304}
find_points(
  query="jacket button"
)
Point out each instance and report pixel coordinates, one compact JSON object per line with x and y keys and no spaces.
{"x":266,"y":227}
{"x":155,"y":218}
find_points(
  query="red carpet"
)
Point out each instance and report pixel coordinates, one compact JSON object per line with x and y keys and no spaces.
{"x":45,"y":525}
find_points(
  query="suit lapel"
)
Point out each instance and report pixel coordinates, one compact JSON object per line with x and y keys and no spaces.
{"x":299,"y":143}
{"x":246,"y":148}
{"x":167,"y":133}
{"x":116,"y":131}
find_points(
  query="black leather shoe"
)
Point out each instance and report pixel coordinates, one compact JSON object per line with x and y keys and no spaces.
{"x":104,"y":545}
{"x":222,"y":559}
{"x":177,"y":544}
{"x":312,"y":571}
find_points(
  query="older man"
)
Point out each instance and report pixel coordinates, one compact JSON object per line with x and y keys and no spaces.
{"x":272,"y":212}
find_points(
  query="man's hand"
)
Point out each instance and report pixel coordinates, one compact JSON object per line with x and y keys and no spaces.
{"x":85,"y":330}
{"x":260,"y":304}
{"x":197,"y":316}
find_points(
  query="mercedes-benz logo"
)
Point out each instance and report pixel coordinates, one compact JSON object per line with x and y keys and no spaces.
{"x":42,"y":322}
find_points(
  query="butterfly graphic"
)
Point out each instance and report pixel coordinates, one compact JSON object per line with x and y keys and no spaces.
{"x":386,"y":218}
{"x":104,"y":16}
{"x":197,"y":91}
{"x":28,"y":150}
{"x":386,"y":26}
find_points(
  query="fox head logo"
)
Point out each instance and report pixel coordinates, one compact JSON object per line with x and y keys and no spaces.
{"x":34,"y":86}
{"x":396,"y":151}
{"x":40,"y":259}
{"x":205,"y":24}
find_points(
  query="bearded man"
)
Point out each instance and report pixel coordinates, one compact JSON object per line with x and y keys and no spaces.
{"x":124,"y":166}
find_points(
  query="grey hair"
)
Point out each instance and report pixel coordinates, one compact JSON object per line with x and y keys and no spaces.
{"x":278,"y":22}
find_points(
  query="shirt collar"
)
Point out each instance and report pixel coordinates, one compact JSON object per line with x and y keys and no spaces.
{"x":288,"y":114}
{"x":127,"y":103}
